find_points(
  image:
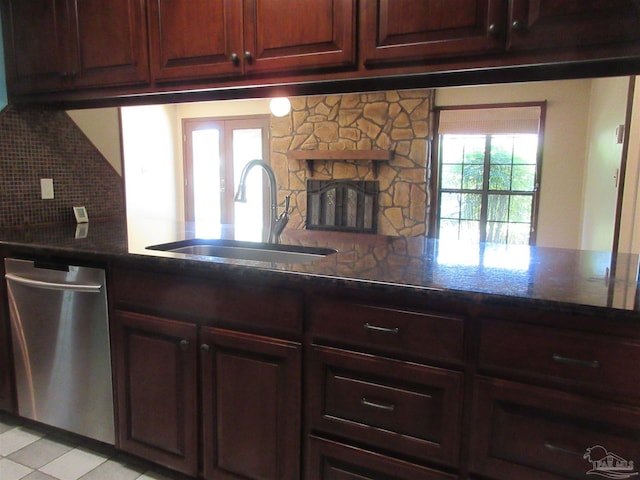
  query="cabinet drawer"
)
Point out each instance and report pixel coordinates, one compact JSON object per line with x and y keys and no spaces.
{"x":329,"y":460}
{"x":531,"y":433}
{"x":402,"y":407}
{"x":422,"y":335}
{"x":200,"y":299}
{"x":591,"y":362}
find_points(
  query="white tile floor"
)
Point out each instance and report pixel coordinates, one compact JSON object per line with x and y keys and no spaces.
{"x":32,"y":452}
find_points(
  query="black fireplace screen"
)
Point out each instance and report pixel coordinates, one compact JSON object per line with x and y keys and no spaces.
{"x":342,"y":205}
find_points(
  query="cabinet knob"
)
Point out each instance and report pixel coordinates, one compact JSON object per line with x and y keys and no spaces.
{"x":204,"y":348}
{"x":184,"y":344}
{"x":517,"y":26}
{"x":493,"y":30}
{"x":247,"y":56}
{"x":234,"y":58}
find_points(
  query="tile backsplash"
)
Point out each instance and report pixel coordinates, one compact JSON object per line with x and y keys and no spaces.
{"x":36,"y":143}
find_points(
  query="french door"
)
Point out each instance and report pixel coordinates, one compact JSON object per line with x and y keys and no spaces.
{"x":215,"y":152}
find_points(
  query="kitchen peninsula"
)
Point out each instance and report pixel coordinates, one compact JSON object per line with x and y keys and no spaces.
{"x":397,"y":357}
{"x":393,"y":353}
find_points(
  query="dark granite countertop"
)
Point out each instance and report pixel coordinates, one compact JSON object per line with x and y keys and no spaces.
{"x":548,"y":277}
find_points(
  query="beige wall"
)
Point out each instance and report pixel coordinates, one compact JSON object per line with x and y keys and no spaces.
{"x":564,"y":149}
{"x":102,"y":128}
{"x":630,"y":224}
{"x":607,"y":110}
{"x":152,"y":180}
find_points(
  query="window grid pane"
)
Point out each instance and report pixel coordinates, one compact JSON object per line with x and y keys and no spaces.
{"x":504,"y":205}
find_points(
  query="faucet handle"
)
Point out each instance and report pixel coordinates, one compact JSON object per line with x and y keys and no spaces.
{"x":287,"y":200}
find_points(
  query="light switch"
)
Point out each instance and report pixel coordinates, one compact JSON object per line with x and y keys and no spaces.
{"x":46,"y":188}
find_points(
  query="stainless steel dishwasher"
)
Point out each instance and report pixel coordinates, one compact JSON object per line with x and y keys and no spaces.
{"x":60,"y":337}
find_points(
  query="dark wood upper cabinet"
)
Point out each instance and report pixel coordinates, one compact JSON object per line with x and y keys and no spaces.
{"x":90,"y":49}
{"x":398,"y":31}
{"x":539,"y":24}
{"x":194,"y":39}
{"x":34,"y":32}
{"x":427,"y":31}
{"x":293,"y":35}
{"x":62,"y":44}
{"x":109,"y":42}
{"x":213,"y":38}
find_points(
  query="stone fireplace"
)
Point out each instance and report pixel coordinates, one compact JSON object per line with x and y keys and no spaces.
{"x":394,"y":121}
{"x":342,"y":205}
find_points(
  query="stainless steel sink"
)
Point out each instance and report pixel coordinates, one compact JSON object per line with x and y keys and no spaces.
{"x":255,"y":251}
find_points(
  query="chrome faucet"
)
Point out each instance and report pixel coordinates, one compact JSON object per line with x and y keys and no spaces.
{"x":276,"y":222}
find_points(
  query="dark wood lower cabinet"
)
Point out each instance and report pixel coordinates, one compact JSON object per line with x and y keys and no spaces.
{"x":329,"y":460}
{"x":531,"y":433}
{"x":398,"y":407}
{"x":249,"y":408}
{"x":156,"y":380}
{"x":250,"y":405}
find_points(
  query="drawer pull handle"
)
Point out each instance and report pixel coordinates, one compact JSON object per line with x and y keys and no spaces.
{"x":368,"y":326}
{"x":575,"y":362}
{"x":388,"y":407}
{"x":555,"y":448}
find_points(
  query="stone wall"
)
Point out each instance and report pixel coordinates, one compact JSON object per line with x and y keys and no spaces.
{"x":400,"y":121}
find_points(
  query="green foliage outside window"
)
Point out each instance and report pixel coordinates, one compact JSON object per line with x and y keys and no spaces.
{"x":487,"y":187}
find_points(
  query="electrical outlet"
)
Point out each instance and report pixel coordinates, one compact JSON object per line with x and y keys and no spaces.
{"x":46,"y":188}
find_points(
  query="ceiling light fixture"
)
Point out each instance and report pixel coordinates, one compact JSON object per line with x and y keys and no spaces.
{"x":280,"y":106}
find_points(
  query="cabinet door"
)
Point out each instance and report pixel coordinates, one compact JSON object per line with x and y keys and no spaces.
{"x":110,"y":46}
{"x":156,"y":384}
{"x":250,"y":406}
{"x":195,"y":39}
{"x":406,"y":31}
{"x":293,"y":35}
{"x":537,"y":24}
{"x":35,"y":38}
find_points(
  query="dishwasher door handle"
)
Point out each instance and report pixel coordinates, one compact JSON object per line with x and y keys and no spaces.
{"x":74,"y":287}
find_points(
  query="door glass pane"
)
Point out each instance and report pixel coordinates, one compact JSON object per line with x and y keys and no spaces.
{"x":249,"y":217}
{"x":206,"y":182}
